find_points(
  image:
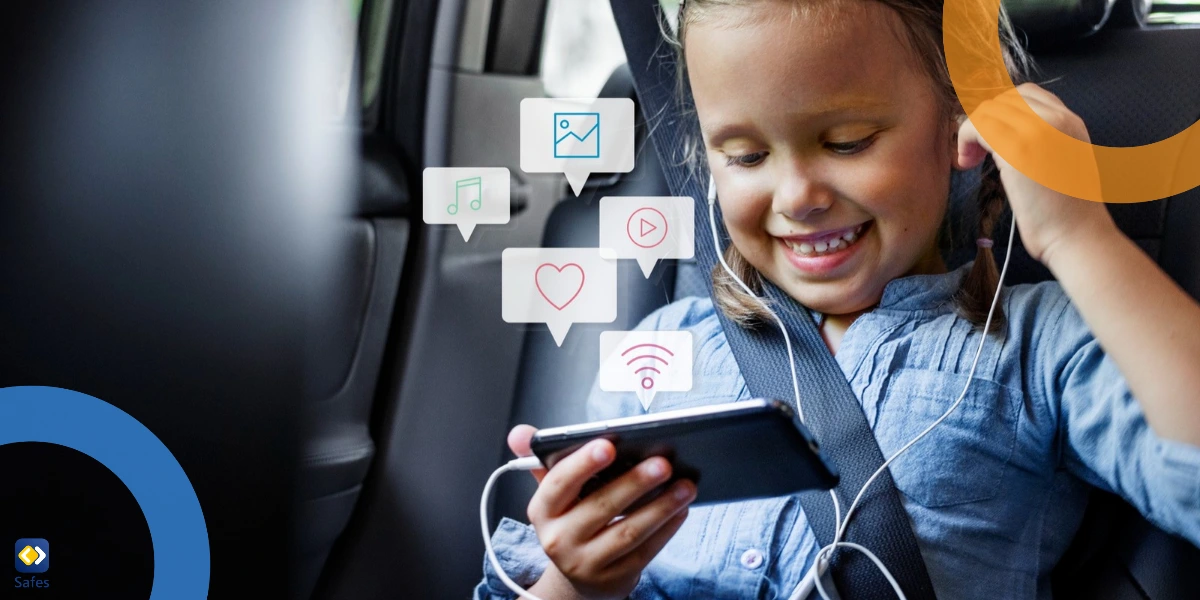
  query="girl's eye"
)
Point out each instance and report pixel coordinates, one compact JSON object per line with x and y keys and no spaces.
{"x":854,"y":147}
{"x":746,"y":160}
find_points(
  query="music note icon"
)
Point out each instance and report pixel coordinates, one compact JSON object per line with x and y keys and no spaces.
{"x":471,"y":189}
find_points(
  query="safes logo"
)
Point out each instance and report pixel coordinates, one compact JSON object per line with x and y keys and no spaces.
{"x":33,"y":555}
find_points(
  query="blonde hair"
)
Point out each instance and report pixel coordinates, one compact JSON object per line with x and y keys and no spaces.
{"x":922,"y":21}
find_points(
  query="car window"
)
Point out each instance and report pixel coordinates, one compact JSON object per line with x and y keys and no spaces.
{"x":1175,"y":12}
{"x":581,"y":48}
{"x":349,"y":16}
{"x":345,"y":14}
{"x":379,"y":15}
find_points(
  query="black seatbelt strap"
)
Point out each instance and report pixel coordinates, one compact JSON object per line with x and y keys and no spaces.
{"x":831,"y":410}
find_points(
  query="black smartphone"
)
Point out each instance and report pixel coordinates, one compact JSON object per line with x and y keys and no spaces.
{"x":734,"y":451}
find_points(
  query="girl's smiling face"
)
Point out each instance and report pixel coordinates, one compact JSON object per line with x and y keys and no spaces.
{"x":830,"y":150}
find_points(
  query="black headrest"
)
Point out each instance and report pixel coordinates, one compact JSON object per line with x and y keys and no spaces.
{"x":1046,"y":22}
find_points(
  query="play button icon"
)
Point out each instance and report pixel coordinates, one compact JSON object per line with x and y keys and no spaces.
{"x":650,"y":229}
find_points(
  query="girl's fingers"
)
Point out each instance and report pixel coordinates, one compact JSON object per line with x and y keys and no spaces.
{"x":559,"y":489}
{"x":1048,"y":108}
{"x":637,"y":528}
{"x":518,"y":442}
{"x":1019,"y":105}
{"x":972,"y":147}
{"x":1010,"y":110}
{"x":599,"y":508}
{"x":1016,"y":118}
{"x":639,"y":557}
{"x":1032,"y":90}
{"x":518,"y":439}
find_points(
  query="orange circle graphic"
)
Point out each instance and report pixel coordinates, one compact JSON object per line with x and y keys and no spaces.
{"x":1041,"y":152}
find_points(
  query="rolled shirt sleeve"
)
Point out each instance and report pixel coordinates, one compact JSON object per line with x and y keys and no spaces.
{"x":521,"y":556}
{"x":1105,"y":438}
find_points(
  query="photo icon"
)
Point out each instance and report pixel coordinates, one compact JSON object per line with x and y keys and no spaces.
{"x":576,"y":135}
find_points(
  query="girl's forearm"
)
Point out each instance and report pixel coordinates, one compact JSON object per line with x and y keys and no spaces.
{"x":1143,"y":320}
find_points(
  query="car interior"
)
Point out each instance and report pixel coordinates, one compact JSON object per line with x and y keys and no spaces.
{"x":412,"y":377}
{"x":430,"y":378}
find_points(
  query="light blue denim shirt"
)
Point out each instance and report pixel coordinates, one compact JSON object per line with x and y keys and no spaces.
{"x":995,"y":493}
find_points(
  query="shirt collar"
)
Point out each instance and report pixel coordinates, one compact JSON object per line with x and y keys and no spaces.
{"x":917,"y":292}
{"x":922,"y":292}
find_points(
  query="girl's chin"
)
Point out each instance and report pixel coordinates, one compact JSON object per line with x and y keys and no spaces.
{"x":834,"y":297}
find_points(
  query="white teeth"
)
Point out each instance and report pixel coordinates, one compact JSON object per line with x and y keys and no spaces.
{"x":827,"y":246}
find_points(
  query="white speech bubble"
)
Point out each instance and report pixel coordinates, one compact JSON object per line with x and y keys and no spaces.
{"x":465,"y":197}
{"x":646,"y":362}
{"x":558,"y":287}
{"x":648,"y":228}
{"x":577,"y":137}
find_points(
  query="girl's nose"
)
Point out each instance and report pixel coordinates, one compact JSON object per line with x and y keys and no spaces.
{"x":801,"y":195}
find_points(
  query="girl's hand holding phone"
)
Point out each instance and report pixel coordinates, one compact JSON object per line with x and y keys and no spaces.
{"x":1045,"y":217}
{"x":593,"y":557}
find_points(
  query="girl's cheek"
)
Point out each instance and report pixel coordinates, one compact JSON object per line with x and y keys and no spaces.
{"x":743,"y":219}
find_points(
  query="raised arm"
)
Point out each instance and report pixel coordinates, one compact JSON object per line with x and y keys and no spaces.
{"x":1143,"y":320}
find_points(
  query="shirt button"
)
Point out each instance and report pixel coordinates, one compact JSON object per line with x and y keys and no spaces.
{"x":752,"y":559}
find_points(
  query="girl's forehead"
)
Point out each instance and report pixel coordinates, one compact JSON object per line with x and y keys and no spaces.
{"x":856,"y":43}
{"x":827,"y":17}
{"x":792,"y":29}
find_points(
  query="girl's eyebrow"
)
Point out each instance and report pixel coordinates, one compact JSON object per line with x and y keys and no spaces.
{"x":720,"y":132}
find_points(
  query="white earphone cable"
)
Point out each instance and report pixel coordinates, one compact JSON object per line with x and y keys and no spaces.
{"x":712,"y":222}
{"x":970,"y":377}
{"x":787,"y":340}
{"x":813,"y":578}
{"x":517,"y":464}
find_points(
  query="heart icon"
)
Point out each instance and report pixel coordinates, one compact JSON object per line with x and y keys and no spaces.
{"x":559,"y":285}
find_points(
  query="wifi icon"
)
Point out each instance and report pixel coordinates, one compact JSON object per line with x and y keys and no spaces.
{"x":645,"y":356}
{"x":645,"y":362}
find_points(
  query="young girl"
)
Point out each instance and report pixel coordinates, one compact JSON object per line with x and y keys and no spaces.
{"x":831,"y":129}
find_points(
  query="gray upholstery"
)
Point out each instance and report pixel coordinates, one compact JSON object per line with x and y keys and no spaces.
{"x":347,"y":338}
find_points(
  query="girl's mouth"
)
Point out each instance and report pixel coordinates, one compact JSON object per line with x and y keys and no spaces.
{"x":826,"y":254}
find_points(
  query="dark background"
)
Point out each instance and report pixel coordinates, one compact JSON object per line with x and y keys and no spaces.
{"x":164,"y":184}
{"x":98,"y":537}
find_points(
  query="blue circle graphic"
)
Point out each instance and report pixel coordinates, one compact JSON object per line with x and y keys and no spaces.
{"x":136,"y":456}
{"x":564,"y":124}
